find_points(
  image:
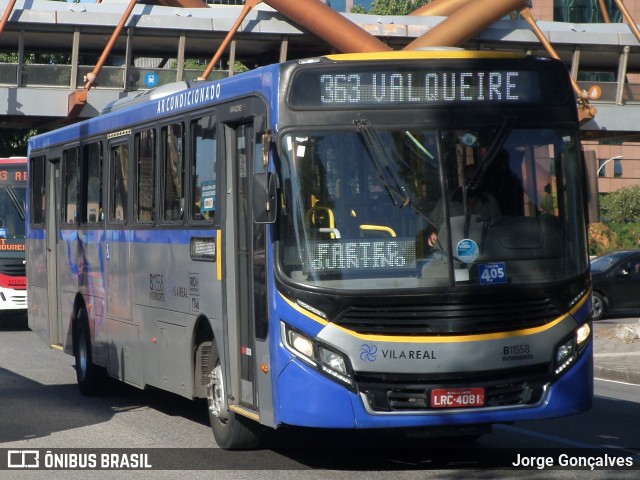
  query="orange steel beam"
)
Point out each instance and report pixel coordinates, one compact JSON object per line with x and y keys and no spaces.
{"x":91,"y":77}
{"x":585,"y":110}
{"x":249,"y":4}
{"x":605,"y":12}
{"x":465,"y":22}
{"x":78,"y":99}
{"x":7,"y":14}
{"x":628,"y":18}
{"x":320,"y":19}
{"x":339,"y":32}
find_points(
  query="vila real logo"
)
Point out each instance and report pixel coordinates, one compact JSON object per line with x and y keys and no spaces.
{"x":369,"y":353}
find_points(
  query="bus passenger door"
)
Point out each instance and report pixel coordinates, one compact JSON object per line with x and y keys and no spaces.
{"x":245,"y":285}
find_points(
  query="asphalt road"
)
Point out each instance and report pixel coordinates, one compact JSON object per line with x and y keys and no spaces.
{"x":41,"y":409}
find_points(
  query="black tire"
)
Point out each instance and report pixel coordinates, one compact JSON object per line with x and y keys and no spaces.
{"x":88,"y":375}
{"x":598,"y":306}
{"x":230,"y":431}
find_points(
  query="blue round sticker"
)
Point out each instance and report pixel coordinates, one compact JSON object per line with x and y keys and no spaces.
{"x":151,"y":79}
{"x":467,"y":250}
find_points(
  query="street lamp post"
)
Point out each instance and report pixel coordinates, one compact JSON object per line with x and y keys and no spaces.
{"x":617,"y":157}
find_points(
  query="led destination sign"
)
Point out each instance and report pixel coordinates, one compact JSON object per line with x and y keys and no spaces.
{"x":338,"y":255}
{"x":365,"y":87}
{"x":13,"y":177}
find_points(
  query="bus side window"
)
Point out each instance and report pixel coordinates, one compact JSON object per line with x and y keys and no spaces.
{"x":173,"y":168}
{"x":70,"y":185}
{"x":92,"y":183}
{"x":203,"y":168}
{"x":145,"y":182}
{"x":37,"y":190}
{"x":119,"y":176}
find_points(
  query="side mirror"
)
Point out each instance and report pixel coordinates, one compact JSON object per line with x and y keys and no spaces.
{"x":623,"y":272}
{"x":263,"y":197}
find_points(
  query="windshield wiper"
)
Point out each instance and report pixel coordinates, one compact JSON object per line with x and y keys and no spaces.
{"x":16,"y":202}
{"x":392,"y":184}
{"x":499,"y":139}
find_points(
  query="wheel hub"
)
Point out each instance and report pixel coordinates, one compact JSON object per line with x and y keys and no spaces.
{"x":216,"y":394}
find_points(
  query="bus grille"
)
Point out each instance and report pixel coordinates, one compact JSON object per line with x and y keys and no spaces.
{"x":18,"y":300}
{"x":448,"y":319}
{"x":500,"y":390}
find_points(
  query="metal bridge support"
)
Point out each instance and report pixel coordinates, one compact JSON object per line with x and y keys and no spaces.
{"x":586,"y":111}
{"x":248,"y":6}
{"x":78,"y":99}
{"x":329,"y":25}
{"x":464,"y":23}
{"x":7,"y":14}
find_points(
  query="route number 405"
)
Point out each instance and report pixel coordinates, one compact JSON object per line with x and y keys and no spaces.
{"x":492,"y":273}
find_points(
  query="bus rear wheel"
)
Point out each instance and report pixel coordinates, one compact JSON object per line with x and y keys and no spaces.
{"x":230,"y":431}
{"x":88,"y":375}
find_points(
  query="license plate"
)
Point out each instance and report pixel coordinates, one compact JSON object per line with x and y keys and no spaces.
{"x":457,"y":397}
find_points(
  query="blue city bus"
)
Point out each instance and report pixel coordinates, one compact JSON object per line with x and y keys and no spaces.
{"x":359,"y":241}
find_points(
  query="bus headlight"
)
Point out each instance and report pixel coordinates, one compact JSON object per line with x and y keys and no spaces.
{"x":300,"y":344}
{"x":582,"y":334}
{"x":332,"y":359}
{"x":569,"y":350}
{"x":324,"y":359}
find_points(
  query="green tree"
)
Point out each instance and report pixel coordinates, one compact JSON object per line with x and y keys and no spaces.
{"x":13,"y":141}
{"x":391,"y":7}
{"x":623,"y":205}
{"x":620,"y":226}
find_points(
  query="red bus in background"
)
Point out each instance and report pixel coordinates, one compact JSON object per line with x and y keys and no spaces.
{"x":13,"y":279}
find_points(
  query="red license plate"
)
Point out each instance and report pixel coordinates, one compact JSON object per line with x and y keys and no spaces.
{"x":457,"y":397}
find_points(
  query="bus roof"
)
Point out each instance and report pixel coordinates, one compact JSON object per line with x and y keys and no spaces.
{"x":13,"y":160}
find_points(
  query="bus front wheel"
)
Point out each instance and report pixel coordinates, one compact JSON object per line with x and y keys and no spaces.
{"x":230,"y":431}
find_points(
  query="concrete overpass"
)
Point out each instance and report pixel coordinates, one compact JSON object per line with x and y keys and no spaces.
{"x":157,"y":40}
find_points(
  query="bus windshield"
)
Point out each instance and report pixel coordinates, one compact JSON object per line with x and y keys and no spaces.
{"x":386,"y":207}
{"x":12,"y":218}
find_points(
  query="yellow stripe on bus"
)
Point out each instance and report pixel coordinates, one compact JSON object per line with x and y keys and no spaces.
{"x":219,"y":254}
{"x":244,"y":412}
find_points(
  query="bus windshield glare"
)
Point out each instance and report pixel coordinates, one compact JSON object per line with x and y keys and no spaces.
{"x":386,"y":207}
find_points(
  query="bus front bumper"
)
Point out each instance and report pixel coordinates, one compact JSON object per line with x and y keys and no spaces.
{"x":307,"y":398}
